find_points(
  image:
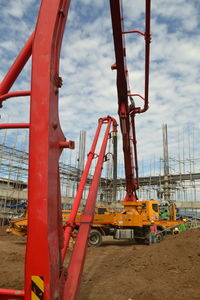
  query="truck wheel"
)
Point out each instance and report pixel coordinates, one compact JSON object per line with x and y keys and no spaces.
{"x":95,"y":238}
{"x":159,"y":237}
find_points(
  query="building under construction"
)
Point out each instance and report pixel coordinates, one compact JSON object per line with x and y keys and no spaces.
{"x":166,"y":179}
{"x":67,"y":203}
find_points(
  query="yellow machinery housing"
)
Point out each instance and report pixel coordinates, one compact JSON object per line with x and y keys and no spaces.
{"x":132,"y":223}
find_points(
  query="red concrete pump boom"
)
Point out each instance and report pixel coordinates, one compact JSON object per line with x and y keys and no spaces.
{"x":45,"y":275}
{"x":127,"y":112}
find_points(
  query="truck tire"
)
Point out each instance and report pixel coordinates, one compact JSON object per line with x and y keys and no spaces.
{"x":159,"y":237}
{"x":95,"y":238}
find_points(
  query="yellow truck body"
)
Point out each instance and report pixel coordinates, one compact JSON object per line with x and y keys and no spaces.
{"x":132,"y":222}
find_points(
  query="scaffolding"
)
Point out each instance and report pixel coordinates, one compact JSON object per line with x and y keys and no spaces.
{"x":183,"y":176}
{"x":14,"y":178}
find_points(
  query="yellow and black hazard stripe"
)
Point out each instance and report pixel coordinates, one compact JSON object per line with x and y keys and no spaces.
{"x":37,"y":288}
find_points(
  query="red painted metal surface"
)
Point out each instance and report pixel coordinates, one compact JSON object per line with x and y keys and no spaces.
{"x":14,"y":125}
{"x":127,"y":111}
{"x":147,"y":55}
{"x":67,"y":144}
{"x":45,"y":232}
{"x":71,"y":221}
{"x":17,"y":66}
{"x":91,"y":155}
{"x":46,"y":246}
{"x":11,"y":294}
{"x":5,"y":86}
{"x":147,"y":37}
{"x":134,"y":31}
{"x":134,"y":145}
{"x":14,"y":72}
{"x":12,"y":95}
{"x":78,"y":255}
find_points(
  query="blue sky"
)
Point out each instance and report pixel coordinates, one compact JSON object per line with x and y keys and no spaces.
{"x":89,"y":90}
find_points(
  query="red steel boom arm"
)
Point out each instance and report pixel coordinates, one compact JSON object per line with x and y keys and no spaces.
{"x":45,"y":274}
{"x":127,"y":112}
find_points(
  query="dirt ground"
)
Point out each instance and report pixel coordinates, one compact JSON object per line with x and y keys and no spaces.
{"x":120,"y":271}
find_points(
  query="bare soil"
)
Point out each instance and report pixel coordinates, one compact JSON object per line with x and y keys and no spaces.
{"x":120,"y":271}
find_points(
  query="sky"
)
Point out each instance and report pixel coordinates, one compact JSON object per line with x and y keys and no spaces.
{"x":89,"y":85}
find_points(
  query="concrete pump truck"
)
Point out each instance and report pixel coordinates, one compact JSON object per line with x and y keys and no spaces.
{"x":46,"y":274}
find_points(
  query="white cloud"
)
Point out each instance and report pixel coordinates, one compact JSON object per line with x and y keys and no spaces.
{"x":89,"y":90}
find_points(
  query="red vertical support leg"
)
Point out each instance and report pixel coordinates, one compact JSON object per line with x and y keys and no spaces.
{"x":44,"y":241}
{"x":78,"y":255}
{"x":70,"y":223}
